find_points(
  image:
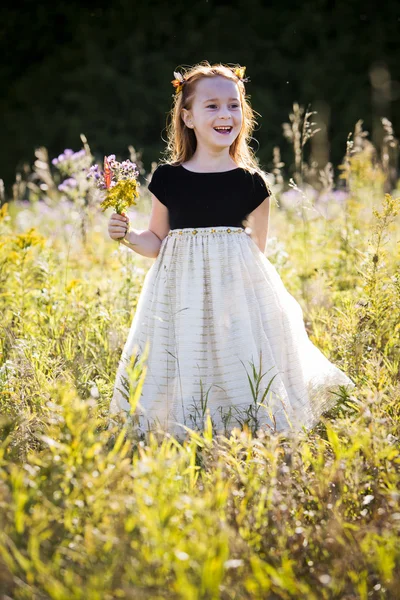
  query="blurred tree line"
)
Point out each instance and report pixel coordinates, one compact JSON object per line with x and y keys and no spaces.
{"x":105,"y":70}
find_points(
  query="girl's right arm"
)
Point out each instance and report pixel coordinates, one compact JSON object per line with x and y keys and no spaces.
{"x":148,"y":241}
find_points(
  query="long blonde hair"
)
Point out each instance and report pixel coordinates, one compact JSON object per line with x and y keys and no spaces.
{"x":181,"y":140}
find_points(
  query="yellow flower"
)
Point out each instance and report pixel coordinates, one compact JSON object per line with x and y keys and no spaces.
{"x":13,"y":257}
{"x":29,"y":238}
{"x":178,"y":82}
{"x":73,"y":283}
{"x":239,"y":72}
{"x":3,"y":211}
{"x":121,"y":195}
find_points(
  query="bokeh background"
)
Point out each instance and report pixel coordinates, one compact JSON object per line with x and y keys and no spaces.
{"x":105,"y":69}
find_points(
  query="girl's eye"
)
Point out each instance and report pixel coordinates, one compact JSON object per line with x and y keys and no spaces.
{"x":235,"y":105}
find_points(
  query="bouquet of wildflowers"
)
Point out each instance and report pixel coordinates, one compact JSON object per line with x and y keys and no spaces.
{"x":118,"y":181}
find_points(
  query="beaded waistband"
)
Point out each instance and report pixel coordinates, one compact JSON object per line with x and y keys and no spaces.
{"x":206,"y":230}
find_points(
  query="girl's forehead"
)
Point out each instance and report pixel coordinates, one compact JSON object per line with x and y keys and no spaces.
{"x":216,"y":87}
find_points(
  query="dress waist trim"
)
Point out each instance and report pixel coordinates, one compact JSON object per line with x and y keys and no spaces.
{"x":206,"y":230}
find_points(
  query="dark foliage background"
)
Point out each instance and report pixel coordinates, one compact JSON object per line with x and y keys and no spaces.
{"x":105,"y":70}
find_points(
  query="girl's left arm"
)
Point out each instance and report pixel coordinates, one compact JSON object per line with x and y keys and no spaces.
{"x":258,"y":221}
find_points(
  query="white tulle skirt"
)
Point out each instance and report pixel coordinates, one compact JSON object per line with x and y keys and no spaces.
{"x":223,"y":334}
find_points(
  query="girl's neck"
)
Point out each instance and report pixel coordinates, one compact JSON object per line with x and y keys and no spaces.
{"x":202,"y":167}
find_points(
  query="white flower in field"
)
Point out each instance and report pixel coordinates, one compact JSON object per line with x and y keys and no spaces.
{"x":94,"y":392}
{"x":233,"y":563}
{"x":325,"y":579}
{"x":368,"y":499}
{"x":181,"y":555}
{"x":391,"y":439}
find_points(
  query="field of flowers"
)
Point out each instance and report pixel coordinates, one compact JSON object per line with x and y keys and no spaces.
{"x":88,"y":511}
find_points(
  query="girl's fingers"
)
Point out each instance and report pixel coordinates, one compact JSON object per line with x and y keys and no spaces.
{"x":119,"y":221}
{"x":117,"y":228}
{"x":118,"y":225}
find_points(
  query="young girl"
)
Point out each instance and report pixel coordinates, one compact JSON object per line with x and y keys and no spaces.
{"x":224,"y":333}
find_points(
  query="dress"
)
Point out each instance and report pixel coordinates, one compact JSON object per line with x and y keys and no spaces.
{"x":211,"y":307}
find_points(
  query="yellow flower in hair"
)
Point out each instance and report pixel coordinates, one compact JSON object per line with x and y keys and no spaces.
{"x":178,"y":82}
{"x":239,"y":72}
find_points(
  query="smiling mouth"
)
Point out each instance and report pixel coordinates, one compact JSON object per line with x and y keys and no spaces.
{"x":223,"y":130}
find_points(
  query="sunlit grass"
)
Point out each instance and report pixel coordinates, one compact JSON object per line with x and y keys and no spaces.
{"x":89,"y":511}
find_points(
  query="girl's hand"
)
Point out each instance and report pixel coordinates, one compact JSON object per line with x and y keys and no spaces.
{"x":118,"y":226}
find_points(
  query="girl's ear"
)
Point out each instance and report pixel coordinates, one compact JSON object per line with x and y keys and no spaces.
{"x":186,"y":117}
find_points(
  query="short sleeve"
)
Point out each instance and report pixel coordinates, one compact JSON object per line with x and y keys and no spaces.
{"x":260,"y":191}
{"x":157,"y":185}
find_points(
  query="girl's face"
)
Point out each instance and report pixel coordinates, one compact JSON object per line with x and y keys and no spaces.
{"x":216,"y":103}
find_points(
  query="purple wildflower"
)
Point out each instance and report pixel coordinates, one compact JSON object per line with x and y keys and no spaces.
{"x":338,"y":196}
{"x":68,"y":184}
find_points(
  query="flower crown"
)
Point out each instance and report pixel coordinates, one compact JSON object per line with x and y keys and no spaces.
{"x":180,"y":80}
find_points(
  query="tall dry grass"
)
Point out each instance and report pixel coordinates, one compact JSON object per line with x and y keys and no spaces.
{"x":89,"y":511}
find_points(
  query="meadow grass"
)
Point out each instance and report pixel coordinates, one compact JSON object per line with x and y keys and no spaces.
{"x":88,"y":511}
